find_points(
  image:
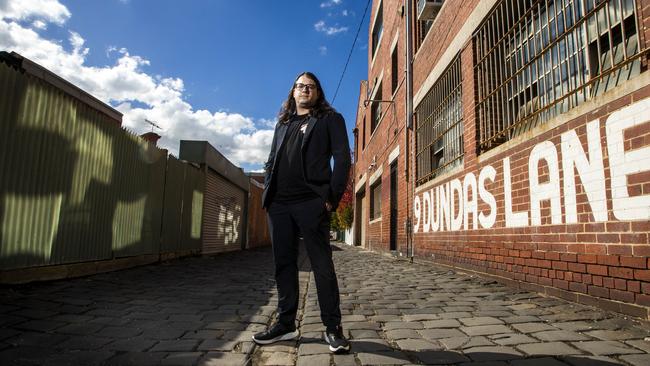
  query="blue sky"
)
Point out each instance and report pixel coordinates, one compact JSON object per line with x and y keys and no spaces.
{"x":208,"y":70}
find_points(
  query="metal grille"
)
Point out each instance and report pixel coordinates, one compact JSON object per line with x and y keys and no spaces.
{"x":536,"y":59}
{"x":420,"y":28}
{"x":439,"y":131}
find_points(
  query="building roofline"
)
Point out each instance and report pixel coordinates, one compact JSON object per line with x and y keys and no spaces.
{"x":202,"y":152}
{"x":28,"y":66}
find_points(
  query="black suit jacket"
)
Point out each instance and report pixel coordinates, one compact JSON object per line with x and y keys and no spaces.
{"x":324,"y":138}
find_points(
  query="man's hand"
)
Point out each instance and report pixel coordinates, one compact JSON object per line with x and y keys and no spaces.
{"x":328,"y":206}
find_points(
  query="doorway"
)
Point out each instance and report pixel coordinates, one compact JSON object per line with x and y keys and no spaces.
{"x":359,"y":219}
{"x":393,"y":205}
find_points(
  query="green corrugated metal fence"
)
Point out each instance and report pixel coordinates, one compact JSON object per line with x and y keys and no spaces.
{"x":182,"y":214}
{"x":74,"y":186}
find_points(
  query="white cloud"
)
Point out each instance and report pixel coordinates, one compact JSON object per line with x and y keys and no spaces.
{"x":126,"y":85}
{"x":268,"y":123}
{"x":320,"y":26}
{"x":39,"y":24}
{"x":48,"y":10}
{"x":323,"y":50}
{"x":77,"y":44}
{"x":330,"y":3}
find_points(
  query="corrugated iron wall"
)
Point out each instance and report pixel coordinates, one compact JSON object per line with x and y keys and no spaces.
{"x":73,"y":185}
{"x":183,"y":211}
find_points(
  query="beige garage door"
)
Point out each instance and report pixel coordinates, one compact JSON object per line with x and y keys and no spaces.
{"x":223,"y":215}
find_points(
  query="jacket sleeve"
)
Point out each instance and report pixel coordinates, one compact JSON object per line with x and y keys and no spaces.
{"x":341,"y":154}
{"x":269,"y":161}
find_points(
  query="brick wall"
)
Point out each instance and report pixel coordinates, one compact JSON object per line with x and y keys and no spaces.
{"x":448,"y":23}
{"x":600,"y":255}
{"x":389,"y":134}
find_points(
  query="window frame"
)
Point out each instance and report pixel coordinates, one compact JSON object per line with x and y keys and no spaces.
{"x":375,"y":200}
{"x":394,"y":69}
{"x":363,"y":135}
{"x":376,"y":112}
{"x":376,"y":35}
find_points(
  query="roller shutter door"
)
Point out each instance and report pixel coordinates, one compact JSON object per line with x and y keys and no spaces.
{"x":223,"y":214}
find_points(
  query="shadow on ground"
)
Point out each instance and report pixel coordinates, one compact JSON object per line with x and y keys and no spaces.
{"x":194,"y":311}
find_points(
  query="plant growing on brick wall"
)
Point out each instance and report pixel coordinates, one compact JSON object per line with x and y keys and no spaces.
{"x":344,"y":213}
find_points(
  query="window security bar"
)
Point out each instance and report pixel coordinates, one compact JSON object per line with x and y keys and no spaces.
{"x":536,"y":59}
{"x":439,"y":128}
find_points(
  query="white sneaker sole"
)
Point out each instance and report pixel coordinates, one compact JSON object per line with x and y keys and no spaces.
{"x":285,"y":337}
{"x":340,"y":349}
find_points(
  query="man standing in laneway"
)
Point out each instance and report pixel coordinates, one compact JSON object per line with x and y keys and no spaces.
{"x":301,"y":189}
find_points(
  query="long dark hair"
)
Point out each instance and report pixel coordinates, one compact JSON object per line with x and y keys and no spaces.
{"x":320,"y":109}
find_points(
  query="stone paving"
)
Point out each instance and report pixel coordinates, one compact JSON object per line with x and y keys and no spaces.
{"x":203,"y":311}
{"x":401,"y":313}
{"x":195,"y":311}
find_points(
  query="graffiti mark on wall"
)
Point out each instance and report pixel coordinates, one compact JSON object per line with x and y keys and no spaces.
{"x":229,"y":219}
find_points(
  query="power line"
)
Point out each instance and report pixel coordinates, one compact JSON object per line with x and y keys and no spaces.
{"x":351,"y":50}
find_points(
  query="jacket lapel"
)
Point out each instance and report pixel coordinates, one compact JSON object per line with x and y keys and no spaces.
{"x":310,"y":126}
{"x":282,"y":130}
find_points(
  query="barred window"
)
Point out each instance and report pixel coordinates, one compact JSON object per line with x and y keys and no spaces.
{"x":420,"y":28}
{"x":377,"y":29}
{"x":363,"y":134}
{"x":394,"y":71}
{"x":439,"y":128}
{"x":375,"y":109}
{"x":536,"y":59}
{"x":375,"y":200}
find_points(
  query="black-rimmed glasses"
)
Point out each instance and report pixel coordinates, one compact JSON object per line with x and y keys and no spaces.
{"x":307,"y":87}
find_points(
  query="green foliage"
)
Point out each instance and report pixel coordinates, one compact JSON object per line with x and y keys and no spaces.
{"x":334,"y":221}
{"x":345,"y":216}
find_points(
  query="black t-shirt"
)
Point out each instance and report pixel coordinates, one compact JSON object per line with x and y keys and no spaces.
{"x":290,"y":186}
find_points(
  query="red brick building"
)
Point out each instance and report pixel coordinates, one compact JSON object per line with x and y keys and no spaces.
{"x":527,"y":153}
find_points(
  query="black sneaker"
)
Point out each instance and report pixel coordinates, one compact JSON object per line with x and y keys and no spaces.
{"x":336,"y":340}
{"x":277,"y":332}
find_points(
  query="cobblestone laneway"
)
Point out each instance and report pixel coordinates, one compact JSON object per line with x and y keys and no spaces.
{"x":398,"y":313}
{"x":185,"y":312}
{"x":203,"y":311}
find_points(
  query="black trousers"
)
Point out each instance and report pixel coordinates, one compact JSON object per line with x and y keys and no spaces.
{"x":309,"y":219}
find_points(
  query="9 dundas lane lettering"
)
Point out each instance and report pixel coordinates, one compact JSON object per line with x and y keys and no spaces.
{"x":435,"y":209}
